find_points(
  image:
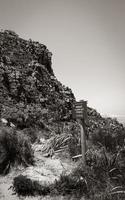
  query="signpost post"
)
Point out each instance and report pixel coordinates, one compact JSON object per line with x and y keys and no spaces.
{"x":81,"y":117}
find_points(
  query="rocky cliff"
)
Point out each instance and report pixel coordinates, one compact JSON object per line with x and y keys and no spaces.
{"x":29,"y":91}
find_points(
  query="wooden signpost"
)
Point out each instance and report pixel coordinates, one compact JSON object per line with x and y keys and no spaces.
{"x":80,"y":113}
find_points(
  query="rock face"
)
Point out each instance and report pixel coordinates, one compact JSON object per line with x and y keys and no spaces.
{"x":29,"y":90}
{"x":16,"y":51}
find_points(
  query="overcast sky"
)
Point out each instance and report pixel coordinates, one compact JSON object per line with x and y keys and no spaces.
{"x":87,"y":39}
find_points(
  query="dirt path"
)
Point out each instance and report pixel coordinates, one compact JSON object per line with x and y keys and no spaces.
{"x":46,"y":170}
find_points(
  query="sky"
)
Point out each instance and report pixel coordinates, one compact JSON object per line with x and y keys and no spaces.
{"x":87,"y":39}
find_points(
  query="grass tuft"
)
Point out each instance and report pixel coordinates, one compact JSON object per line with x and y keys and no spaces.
{"x":15,"y":148}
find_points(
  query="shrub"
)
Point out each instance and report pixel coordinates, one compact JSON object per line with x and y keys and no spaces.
{"x":24,"y":116}
{"x":15,"y":149}
{"x":109,"y":138}
{"x":67,"y":184}
{"x":105,"y":165}
{"x":31,"y":133}
{"x":70,"y":184}
{"x":107,"y":196}
{"x":25,"y":186}
{"x":92,"y":182}
{"x":104,"y":174}
{"x":98,"y":186}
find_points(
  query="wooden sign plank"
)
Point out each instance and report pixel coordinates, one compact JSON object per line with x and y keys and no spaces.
{"x":79,"y":110}
{"x":79,"y":116}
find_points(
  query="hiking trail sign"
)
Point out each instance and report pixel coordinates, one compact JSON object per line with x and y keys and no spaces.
{"x":80,"y":114}
{"x":81,"y":109}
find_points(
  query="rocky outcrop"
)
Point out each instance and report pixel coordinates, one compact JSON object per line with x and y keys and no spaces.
{"x":29,"y":90}
{"x":15,"y":51}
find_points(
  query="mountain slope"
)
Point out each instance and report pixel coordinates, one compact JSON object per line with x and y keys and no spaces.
{"x":30,"y":93}
{"x":29,"y":90}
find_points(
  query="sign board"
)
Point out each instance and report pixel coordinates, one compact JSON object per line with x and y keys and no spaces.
{"x":81,"y":110}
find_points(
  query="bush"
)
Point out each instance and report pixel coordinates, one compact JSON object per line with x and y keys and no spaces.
{"x":104,"y":174}
{"x":31,"y":133}
{"x":105,"y":165}
{"x":67,"y":184}
{"x":25,"y":186}
{"x":70,"y":184}
{"x":107,"y":196}
{"x":98,"y":186}
{"x":109,"y":138}
{"x":15,"y":149}
{"x":24,"y":116}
